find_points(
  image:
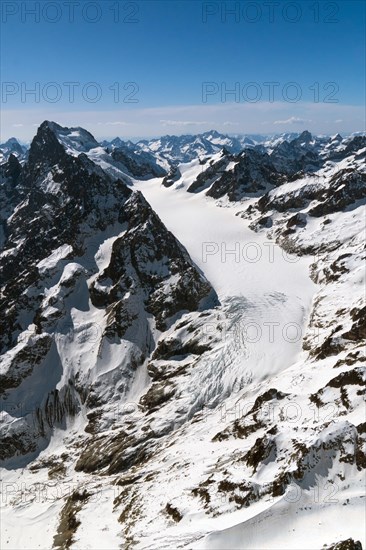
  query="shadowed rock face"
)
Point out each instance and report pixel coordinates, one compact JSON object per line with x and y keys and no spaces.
{"x":61,"y":202}
{"x":298,"y":155}
{"x":173,"y":176}
{"x":149,"y":260}
{"x":140,"y":165}
{"x":57,"y":196}
{"x":83,"y":252}
{"x":253,"y":173}
{"x":344,"y":189}
{"x":256,"y":172}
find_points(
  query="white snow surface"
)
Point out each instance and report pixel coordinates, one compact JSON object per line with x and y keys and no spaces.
{"x":273,"y":293}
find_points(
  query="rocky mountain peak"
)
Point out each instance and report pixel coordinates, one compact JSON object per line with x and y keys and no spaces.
{"x":74,"y":140}
{"x":11,"y":147}
{"x":337,"y":137}
{"x":45,"y":147}
{"x":304,"y":137}
{"x":11,"y":142}
{"x":127,"y":370}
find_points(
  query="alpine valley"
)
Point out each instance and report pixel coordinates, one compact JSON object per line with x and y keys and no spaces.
{"x":182,"y":336}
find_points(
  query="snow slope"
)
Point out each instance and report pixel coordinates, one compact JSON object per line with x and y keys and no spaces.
{"x":272,"y":288}
{"x":241,"y":427}
{"x":211,"y":234}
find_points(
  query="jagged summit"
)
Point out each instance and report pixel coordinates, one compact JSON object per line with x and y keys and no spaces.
{"x":73,"y":139}
{"x":12,"y":147}
{"x":304,"y":137}
{"x":337,"y":137}
{"x":10,"y":142}
{"x":182,"y":327}
{"x":51,"y":125}
{"x":45,"y":145}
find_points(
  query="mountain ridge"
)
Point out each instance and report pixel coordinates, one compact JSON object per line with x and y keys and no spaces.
{"x":177,"y":389}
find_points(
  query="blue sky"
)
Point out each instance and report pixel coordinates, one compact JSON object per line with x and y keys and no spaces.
{"x":163,"y":57}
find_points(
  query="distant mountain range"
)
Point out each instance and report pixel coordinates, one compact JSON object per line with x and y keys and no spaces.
{"x":170,"y":149}
{"x":182,"y":340}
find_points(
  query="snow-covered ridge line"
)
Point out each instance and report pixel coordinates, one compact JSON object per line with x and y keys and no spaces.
{"x":183,"y":355}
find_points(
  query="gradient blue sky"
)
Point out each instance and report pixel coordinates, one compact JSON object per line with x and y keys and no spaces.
{"x":169,"y":49}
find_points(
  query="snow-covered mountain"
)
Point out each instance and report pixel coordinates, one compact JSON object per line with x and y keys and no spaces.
{"x":174,"y":149}
{"x":171,"y":150}
{"x":182,"y":339}
{"x":12,"y":147}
